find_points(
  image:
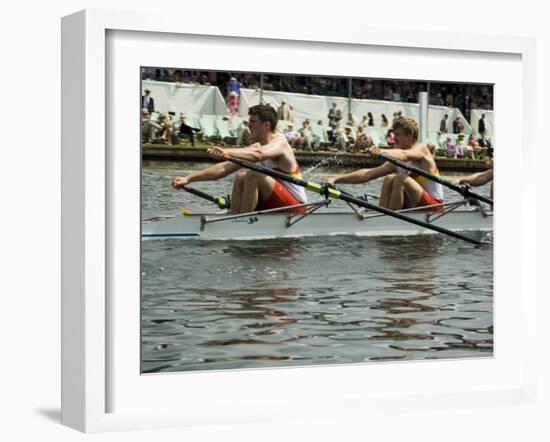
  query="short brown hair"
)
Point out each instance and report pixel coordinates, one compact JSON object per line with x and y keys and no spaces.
{"x":407,"y":125}
{"x":265,"y":113}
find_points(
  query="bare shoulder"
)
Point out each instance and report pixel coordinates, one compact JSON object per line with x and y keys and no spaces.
{"x":426,"y":152}
{"x":276,"y":149}
{"x":418,"y":151}
{"x":279,"y":137}
{"x":286,"y":157}
{"x":422,"y":147}
{"x":280,"y":141}
{"x":421,"y":154}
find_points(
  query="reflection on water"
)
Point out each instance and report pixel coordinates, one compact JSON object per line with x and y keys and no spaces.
{"x":210,"y":305}
{"x":423,"y":249}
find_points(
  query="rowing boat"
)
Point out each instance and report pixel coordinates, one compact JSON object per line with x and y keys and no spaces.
{"x":276,"y":223}
{"x":365,"y":219}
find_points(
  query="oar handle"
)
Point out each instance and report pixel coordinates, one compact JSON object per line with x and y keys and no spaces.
{"x":200,"y":193}
{"x":465,"y":191}
{"x":221,"y":202}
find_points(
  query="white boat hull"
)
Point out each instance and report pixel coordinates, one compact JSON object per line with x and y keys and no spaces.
{"x":275,"y":225}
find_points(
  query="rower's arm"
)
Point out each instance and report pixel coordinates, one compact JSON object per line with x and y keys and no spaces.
{"x":365,"y":175}
{"x":250,"y":153}
{"x":214,"y":172}
{"x":255,"y":152}
{"x":478,"y":179}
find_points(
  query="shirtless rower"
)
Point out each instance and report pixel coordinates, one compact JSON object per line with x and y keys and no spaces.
{"x":401,"y":189}
{"x":253,"y":190}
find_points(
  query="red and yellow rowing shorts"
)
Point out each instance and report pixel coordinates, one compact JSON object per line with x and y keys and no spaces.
{"x":428,"y":200}
{"x":280,"y":197}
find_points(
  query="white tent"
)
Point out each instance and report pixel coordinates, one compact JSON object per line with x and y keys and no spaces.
{"x":185,"y":98}
{"x":208,"y":100}
{"x":316,"y":107}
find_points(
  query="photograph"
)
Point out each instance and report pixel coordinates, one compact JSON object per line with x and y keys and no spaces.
{"x":287,"y":230}
{"x":303,"y":220}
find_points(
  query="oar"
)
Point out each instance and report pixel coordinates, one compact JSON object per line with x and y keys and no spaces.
{"x":221,"y":202}
{"x":465,"y":191}
{"x":332,"y":192}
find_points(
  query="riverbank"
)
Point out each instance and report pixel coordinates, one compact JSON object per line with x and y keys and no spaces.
{"x":305,"y":158}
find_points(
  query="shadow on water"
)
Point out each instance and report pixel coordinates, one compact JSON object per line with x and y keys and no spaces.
{"x":277,"y":248}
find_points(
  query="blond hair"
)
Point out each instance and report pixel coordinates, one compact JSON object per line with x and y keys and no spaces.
{"x":407,"y":125}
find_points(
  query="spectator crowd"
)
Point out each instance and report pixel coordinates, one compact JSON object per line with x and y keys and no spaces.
{"x":462,"y":96}
{"x":340,"y":133}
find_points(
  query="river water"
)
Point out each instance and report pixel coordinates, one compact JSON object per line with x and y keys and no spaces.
{"x":213,"y":305}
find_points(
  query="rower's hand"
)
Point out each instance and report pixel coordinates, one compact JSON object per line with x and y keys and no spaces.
{"x":455,"y":181}
{"x":373,"y":151}
{"x":216,"y":153}
{"x":179,"y":182}
{"x":330,"y":180}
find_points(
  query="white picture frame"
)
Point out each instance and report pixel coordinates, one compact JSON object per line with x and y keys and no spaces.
{"x":89,"y":172}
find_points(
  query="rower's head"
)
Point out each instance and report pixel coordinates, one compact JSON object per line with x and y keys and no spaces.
{"x":262,"y":122}
{"x":405,"y":131}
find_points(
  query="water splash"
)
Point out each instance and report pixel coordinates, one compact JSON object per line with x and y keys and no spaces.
{"x":333,"y":162}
